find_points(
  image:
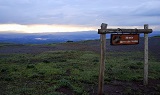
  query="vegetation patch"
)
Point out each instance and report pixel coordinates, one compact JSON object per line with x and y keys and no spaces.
{"x":70,"y":72}
{"x":157,"y":36}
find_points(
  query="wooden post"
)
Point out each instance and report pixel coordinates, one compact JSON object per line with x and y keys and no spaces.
{"x":145,"y":80}
{"x":102,"y":61}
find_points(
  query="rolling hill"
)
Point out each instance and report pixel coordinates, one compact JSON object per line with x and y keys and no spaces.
{"x":44,"y":38}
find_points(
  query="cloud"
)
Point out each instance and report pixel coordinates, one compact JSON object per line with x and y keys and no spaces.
{"x":80,"y":12}
{"x":43,"y":28}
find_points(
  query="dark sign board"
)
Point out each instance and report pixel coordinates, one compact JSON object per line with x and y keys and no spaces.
{"x":124,"y":39}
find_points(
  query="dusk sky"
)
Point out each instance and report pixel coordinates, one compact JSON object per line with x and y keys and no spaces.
{"x":36,"y":16}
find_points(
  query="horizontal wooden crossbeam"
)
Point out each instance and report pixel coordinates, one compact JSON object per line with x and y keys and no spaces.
{"x":106,"y":31}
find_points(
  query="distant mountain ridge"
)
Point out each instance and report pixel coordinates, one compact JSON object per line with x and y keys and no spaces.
{"x":57,"y":37}
{"x":42,"y":38}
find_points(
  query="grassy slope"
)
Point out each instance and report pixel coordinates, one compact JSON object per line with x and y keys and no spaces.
{"x":157,"y":36}
{"x":49,"y":72}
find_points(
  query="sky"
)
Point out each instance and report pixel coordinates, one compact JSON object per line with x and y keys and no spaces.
{"x":39,"y":16}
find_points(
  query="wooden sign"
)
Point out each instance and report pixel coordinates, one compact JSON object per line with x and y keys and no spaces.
{"x":121,"y":39}
{"x":124,"y":39}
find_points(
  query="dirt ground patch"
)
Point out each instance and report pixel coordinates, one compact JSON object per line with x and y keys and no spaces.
{"x":131,"y":88}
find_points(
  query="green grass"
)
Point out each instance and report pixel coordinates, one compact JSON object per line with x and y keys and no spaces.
{"x":5,"y":44}
{"x":46,"y":73}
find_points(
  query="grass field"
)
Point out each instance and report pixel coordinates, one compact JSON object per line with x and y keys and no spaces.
{"x":72,"y":72}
